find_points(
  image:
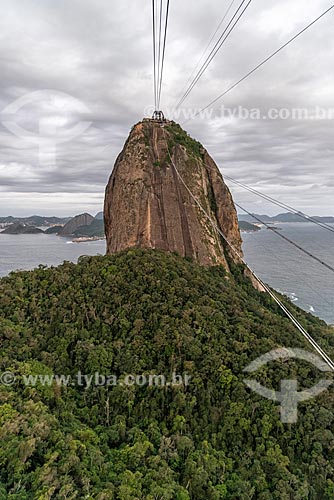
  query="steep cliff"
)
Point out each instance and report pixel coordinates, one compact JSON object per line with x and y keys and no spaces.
{"x":148,"y":206}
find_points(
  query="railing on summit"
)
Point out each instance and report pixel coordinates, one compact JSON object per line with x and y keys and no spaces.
{"x":158,"y":116}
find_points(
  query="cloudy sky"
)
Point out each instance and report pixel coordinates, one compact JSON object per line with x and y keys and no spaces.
{"x":81,"y":71}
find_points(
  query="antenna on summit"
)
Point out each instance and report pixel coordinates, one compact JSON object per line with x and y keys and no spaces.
{"x":159,"y":49}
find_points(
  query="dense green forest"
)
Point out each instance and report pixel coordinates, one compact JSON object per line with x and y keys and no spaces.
{"x":147,"y":312}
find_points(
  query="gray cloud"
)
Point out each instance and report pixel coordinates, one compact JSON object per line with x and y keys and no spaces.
{"x":100,"y":53}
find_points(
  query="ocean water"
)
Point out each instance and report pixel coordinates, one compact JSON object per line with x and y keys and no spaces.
{"x":27,"y":251}
{"x":307,"y":283}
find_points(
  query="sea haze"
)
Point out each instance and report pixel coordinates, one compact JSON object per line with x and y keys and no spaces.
{"x":307,"y":283}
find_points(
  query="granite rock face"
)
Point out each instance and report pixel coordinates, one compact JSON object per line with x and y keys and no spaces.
{"x":148,"y":206}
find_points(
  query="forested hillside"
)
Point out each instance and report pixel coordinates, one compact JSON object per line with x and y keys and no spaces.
{"x":148,"y":312}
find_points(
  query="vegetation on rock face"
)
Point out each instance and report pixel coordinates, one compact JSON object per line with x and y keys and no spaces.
{"x":96,"y":228}
{"x":148,"y":312}
{"x":53,"y":230}
{"x":180,"y":136}
{"x":73,"y":224}
{"x":148,"y":203}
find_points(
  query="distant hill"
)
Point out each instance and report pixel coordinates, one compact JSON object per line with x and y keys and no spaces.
{"x":73,"y":224}
{"x":285,"y":217}
{"x":39,"y":220}
{"x":53,"y":230}
{"x":96,"y":228}
{"x":18,"y":228}
{"x":34,"y":220}
{"x":99,"y":216}
{"x":80,"y":225}
{"x":247,"y":226}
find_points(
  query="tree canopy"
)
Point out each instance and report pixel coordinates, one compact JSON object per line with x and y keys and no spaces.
{"x":149,"y":312}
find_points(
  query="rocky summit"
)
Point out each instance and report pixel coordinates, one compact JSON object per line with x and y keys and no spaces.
{"x":148,"y":206}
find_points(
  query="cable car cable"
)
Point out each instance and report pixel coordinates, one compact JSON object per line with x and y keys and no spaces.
{"x":154,"y":53}
{"x":292,"y":210}
{"x":215,"y":50}
{"x":309,"y":254}
{"x":262,"y":63}
{"x":163,"y":54}
{"x":205,"y":50}
{"x":293,"y":319}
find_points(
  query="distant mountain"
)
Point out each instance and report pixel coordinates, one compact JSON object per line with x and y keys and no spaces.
{"x":8,"y":220}
{"x":80,"y":225}
{"x":73,"y":224}
{"x":285,"y":217}
{"x":96,"y":228}
{"x":18,"y":228}
{"x":326,"y":220}
{"x":34,"y":220}
{"x":249,"y":218}
{"x":99,"y":216}
{"x":54,"y":230}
